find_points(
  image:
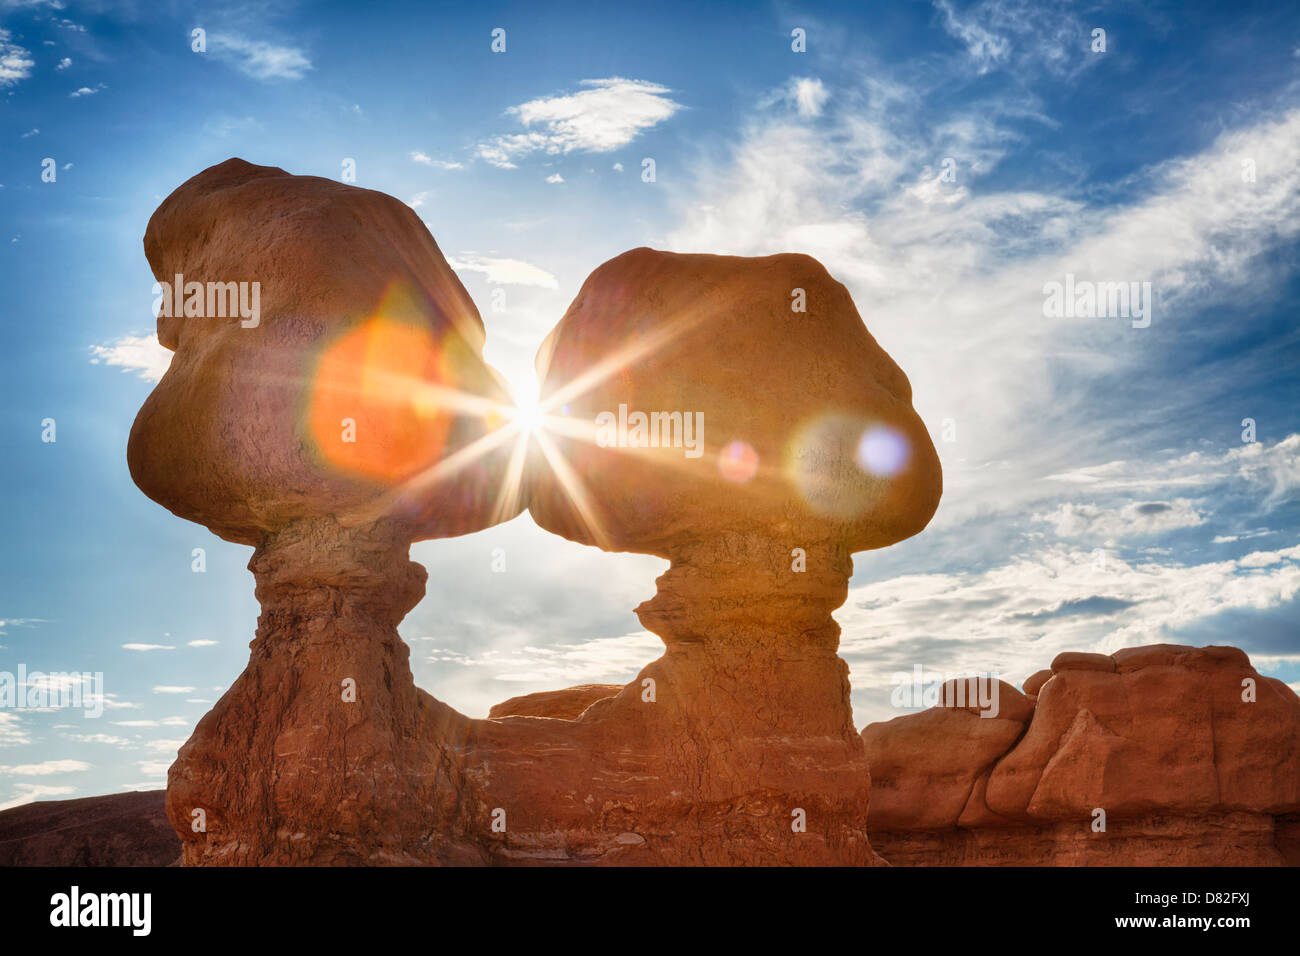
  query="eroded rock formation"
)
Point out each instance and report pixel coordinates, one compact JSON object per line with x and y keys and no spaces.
{"x":1192,"y":755}
{"x":737,"y":746}
{"x":322,"y":433}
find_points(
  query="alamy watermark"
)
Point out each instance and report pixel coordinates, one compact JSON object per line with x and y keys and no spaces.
{"x":41,"y":691}
{"x":1085,"y":299}
{"x":209,"y":300}
{"x":923,"y":688}
{"x":656,"y":430}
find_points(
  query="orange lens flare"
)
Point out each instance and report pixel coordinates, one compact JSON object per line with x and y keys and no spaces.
{"x":377,"y":404}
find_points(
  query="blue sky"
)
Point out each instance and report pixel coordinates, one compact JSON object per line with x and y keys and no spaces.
{"x":1066,"y":438}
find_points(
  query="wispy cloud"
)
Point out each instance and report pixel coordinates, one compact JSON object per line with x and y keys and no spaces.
{"x":142,"y":354}
{"x":12,"y":732}
{"x":606,"y":115}
{"x":259,"y":59}
{"x":148,"y":647}
{"x":1132,"y":519}
{"x":425,"y":159}
{"x":504,"y":271}
{"x":46,"y":768}
{"x":16,"y":62}
{"x":804,"y":94}
{"x":1020,"y":34}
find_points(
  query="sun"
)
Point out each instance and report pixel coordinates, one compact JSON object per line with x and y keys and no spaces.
{"x":527,"y":414}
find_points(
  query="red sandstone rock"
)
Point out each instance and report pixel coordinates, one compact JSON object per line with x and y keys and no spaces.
{"x":1035,"y":681}
{"x":360,"y":319}
{"x":1080,"y":661}
{"x":363,"y":323}
{"x":737,"y":746}
{"x":986,"y":696}
{"x":752,"y":703}
{"x":567,"y":704}
{"x":1186,"y":770}
{"x":923,"y":766}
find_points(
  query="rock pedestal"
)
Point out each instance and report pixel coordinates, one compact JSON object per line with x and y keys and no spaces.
{"x":806,"y":449}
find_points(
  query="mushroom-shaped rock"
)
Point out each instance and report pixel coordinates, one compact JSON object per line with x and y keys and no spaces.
{"x":328,"y":403}
{"x":700,"y":395}
{"x":734,"y":416}
{"x":327,"y":361}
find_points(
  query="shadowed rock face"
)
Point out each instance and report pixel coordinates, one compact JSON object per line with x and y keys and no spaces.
{"x":737,"y":746}
{"x":122,"y":829}
{"x":1167,"y":740}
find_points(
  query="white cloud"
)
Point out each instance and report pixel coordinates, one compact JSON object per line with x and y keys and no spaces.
{"x":1135,"y":518}
{"x":108,"y":739}
{"x":259,"y":59}
{"x":807,"y":95}
{"x":1020,"y":35}
{"x":12,"y":733}
{"x":46,"y":768}
{"x":202,"y":643}
{"x":606,"y":115}
{"x":986,"y":48}
{"x":972,"y":270}
{"x":172,"y":689}
{"x":142,"y":354}
{"x":1271,"y":470}
{"x":555,"y":178}
{"x":30,"y":133}
{"x":166,"y":745}
{"x":416,"y":201}
{"x":64,"y":63}
{"x":427,"y":160}
{"x":148,"y":647}
{"x":504,"y":271}
{"x":87,"y":91}
{"x":15,"y":62}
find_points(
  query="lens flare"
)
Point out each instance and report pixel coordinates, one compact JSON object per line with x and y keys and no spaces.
{"x":738,"y":462}
{"x":377,"y":403}
{"x":883,"y":452}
